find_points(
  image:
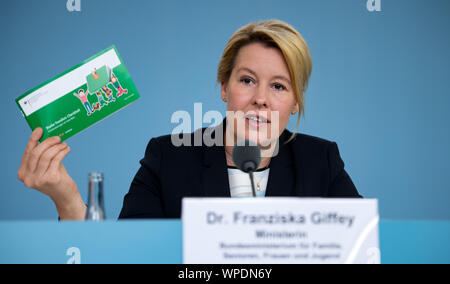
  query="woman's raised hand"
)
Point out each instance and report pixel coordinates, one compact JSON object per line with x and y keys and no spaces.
{"x":42,"y":169}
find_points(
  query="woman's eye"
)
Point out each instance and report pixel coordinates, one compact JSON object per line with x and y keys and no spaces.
{"x":246,"y":80}
{"x":279,"y":87}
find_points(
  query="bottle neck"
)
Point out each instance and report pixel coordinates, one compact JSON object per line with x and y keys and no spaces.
{"x":95,"y":208}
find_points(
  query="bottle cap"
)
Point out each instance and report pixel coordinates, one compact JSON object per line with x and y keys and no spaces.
{"x":96,"y":176}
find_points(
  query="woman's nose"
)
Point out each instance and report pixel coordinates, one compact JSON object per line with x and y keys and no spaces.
{"x":261,"y":97}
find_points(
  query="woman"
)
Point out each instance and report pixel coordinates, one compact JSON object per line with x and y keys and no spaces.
{"x":263,"y":72}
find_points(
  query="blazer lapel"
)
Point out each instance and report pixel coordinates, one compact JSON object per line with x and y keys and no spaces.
{"x":282,"y":181}
{"x":215,"y":171}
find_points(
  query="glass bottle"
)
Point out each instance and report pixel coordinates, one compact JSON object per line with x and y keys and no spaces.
{"x":95,"y":208}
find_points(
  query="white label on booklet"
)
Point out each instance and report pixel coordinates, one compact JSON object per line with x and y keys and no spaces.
{"x":280,"y":230}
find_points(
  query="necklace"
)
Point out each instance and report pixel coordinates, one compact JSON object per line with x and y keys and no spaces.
{"x":258,"y":183}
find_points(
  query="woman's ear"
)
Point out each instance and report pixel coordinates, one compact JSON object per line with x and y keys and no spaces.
{"x":295,"y":109}
{"x":223,"y":91}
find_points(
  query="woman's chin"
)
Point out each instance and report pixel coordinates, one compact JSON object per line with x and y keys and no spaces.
{"x":262,"y":141}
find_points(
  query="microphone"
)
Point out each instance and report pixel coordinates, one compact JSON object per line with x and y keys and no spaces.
{"x":247,"y":158}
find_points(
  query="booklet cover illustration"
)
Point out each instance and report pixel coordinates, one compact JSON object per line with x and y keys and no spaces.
{"x":79,"y":97}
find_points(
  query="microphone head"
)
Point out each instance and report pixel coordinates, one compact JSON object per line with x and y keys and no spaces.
{"x":247,"y":157}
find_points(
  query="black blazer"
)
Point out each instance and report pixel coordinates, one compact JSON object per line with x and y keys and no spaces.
{"x":306,"y":167}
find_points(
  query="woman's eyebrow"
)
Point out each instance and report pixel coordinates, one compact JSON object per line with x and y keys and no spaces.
{"x":280,"y":77}
{"x":248,"y":70}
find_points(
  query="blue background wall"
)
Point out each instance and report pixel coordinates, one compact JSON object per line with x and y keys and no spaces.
{"x":379,"y":87}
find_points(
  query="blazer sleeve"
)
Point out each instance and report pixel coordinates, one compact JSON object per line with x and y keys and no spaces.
{"x":341,"y":184}
{"x":144,"y":197}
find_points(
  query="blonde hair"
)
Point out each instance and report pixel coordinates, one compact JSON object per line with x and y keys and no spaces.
{"x":280,"y":35}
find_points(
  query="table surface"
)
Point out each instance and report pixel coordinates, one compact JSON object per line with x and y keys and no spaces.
{"x":160,"y":241}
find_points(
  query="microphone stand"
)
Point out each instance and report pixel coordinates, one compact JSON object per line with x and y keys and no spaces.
{"x":253,"y":183}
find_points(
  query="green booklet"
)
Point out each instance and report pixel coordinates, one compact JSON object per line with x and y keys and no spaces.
{"x":79,"y":97}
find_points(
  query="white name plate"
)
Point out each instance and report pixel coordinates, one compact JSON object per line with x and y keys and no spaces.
{"x":280,"y":230}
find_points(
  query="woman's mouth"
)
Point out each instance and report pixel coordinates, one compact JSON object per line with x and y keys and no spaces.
{"x":256,"y":121}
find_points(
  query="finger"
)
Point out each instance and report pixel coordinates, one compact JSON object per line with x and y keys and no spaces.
{"x":47,"y":157}
{"x":36,"y":153}
{"x":32,"y":143}
{"x":56,"y":162}
{"x":34,"y":139}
